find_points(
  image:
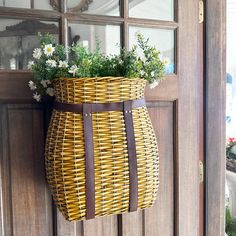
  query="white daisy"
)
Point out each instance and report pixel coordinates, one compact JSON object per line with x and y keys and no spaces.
{"x":45,"y":83}
{"x":63,"y":64}
{"x":51,"y":63}
{"x":73,"y":69}
{"x":154,"y":84}
{"x":32,"y":85}
{"x":30,"y":65}
{"x":37,"y":97}
{"x":50,"y":92}
{"x":48,"y":49}
{"x":37,"y":53}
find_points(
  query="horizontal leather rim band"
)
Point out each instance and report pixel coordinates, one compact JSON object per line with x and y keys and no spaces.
{"x":97,"y":107}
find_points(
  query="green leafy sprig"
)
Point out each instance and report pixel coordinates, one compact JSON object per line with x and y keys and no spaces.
{"x":52,"y":60}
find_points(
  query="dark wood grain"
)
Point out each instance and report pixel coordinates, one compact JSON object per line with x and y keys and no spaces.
{"x":187,"y":122}
{"x":201,"y":115}
{"x":65,"y":228}
{"x":29,"y":201}
{"x":104,"y":226}
{"x":215,"y":115}
{"x":160,"y":218}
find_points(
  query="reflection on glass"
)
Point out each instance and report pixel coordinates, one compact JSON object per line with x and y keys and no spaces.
{"x":152,"y":9}
{"x":162,"y":39}
{"x":108,"y":35}
{"x":97,"y":7}
{"x":15,"y":3}
{"x":18,"y":39}
{"x":44,"y":5}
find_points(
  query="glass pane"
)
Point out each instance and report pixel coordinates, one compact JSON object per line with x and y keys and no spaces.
{"x":44,"y":5}
{"x":15,"y":3}
{"x":18,"y":39}
{"x":162,"y":39}
{"x":152,"y":9}
{"x":87,"y":35}
{"x":97,"y":7}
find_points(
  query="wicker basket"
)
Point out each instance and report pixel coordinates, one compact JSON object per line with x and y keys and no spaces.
{"x":116,"y":183}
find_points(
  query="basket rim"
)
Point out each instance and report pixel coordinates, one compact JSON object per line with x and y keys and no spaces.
{"x":112,"y":78}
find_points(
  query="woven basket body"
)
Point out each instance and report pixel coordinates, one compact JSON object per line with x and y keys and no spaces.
{"x":65,"y":148}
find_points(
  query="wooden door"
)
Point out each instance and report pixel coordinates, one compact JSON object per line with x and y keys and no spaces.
{"x":25,"y":202}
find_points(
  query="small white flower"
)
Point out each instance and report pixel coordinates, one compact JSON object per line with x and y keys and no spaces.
{"x":73,"y":69}
{"x":166,"y":60}
{"x":154,"y":84}
{"x":142,"y":73}
{"x":45,"y":83}
{"x":152,"y":73}
{"x":37,"y":97}
{"x":48,"y":49}
{"x":51,"y":63}
{"x":30,"y":65}
{"x":32,"y":85}
{"x":50,"y":92}
{"x":63,"y":64}
{"x":37,"y":53}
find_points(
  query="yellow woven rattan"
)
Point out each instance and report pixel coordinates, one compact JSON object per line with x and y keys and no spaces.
{"x":65,"y":154}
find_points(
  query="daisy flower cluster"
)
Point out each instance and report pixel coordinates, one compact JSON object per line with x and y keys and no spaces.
{"x":52,"y":60}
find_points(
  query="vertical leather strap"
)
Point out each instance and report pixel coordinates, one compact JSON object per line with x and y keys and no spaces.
{"x":89,"y":161}
{"x":133,"y":177}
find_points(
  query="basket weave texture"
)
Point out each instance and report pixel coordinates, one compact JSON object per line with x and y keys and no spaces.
{"x":65,"y":151}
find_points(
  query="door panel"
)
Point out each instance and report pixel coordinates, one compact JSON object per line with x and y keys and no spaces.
{"x":160,"y":218}
{"x":25,"y":202}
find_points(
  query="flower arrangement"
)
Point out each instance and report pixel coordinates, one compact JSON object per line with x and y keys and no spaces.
{"x":52,"y":60}
{"x":231,"y":148}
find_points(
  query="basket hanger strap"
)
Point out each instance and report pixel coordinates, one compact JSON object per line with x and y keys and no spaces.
{"x":89,"y":161}
{"x":133,"y":176}
{"x":97,"y":107}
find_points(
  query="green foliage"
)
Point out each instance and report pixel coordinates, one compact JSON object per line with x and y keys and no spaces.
{"x":230,"y":223}
{"x":53,"y":60}
{"x":46,"y":39}
{"x":231,"y":149}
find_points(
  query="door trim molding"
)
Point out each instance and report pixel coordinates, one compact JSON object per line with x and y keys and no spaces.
{"x":215,"y":116}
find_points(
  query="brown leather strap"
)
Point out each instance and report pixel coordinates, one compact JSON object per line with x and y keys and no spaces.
{"x":97,"y":107}
{"x":133,"y":176}
{"x":87,"y":109}
{"x":89,"y":161}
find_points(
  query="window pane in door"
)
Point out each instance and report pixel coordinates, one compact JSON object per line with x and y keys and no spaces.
{"x":152,"y":9}
{"x":46,"y":5}
{"x":97,"y":7}
{"x":18,"y":39}
{"x":163,"y":39}
{"x":15,"y":3}
{"x":108,"y":35}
